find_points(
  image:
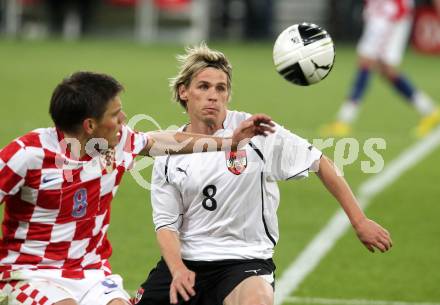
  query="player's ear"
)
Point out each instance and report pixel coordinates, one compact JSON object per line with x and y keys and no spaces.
{"x":89,"y":125}
{"x":183,"y":93}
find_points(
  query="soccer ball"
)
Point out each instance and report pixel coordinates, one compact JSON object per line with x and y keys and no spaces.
{"x":304,"y":54}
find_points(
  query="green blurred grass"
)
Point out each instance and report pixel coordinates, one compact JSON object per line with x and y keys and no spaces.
{"x":409,"y":208}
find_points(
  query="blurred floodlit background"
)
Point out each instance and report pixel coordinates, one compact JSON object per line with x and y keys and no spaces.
{"x":185,"y":21}
{"x":42,"y":41}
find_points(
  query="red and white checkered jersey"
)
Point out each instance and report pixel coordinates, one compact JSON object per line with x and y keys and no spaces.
{"x":57,"y":209}
{"x":393,"y":9}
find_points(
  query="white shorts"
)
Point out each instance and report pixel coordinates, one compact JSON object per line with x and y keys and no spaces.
{"x":384,"y":39}
{"x":46,"y":287}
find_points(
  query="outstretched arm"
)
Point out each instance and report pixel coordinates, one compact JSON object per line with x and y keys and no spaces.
{"x":183,"y":279}
{"x":371,"y":234}
{"x":172,"y":142}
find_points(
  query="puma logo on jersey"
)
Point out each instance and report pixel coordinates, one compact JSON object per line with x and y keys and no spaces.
{"x":254,"y":271}
{"x":181,"y":170}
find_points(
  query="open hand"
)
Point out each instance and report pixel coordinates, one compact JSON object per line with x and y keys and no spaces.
{"x":372,"y":235}
{"x":182,"y":284}
{"x":258,"y":124}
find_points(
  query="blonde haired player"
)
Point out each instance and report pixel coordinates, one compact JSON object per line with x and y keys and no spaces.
{"x":387,"y":25}
{"x":215,"y":214}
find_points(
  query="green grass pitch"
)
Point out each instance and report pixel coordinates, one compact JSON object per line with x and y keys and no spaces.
{"x":409,"y":208}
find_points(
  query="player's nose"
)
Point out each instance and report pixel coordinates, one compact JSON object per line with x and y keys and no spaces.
{"x":213,"y":95}
{"x":122,"y":117}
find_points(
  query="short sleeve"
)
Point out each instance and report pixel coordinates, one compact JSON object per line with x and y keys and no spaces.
{"x":166,"y":199}
{"x":13,"y":169}
{"x":134,"y":141}
{"x":289,"y":156}
{"x":130,"y":145}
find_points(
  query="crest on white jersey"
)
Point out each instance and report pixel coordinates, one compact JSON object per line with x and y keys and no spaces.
{"x":236,"y":161}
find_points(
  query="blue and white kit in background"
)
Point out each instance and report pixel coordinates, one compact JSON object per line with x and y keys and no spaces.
{"x":387,"y":25}
{"x":223,"y":205}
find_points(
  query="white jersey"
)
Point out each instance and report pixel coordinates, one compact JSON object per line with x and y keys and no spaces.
{"x":223,"y":205}
{"x":387,"y":26}
{"x":391,"y":9}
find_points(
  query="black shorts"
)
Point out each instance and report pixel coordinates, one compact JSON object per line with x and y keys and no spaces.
{"x":214,"y":280}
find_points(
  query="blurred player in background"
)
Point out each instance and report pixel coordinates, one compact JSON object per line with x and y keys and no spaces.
{"x":58,"y":184}
{"x":215,"y":213}
{"x":59,"y":11}
{"x":387,"y":26}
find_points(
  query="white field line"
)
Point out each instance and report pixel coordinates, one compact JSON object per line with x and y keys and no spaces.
{"x":310,"y":257}
{"x":325,"y":301}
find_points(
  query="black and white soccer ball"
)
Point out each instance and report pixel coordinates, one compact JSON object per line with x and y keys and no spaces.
{"x":304,"y":54}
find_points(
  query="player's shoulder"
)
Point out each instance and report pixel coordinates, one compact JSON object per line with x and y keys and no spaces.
{"x":29,"y":146}
{"x":44,"y":138}
{"x":30,"y":139}
{"x":163,"y":160}
{"x":234,"y":118}
{"x":37,"y":138}
{"x":167,"y":160}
